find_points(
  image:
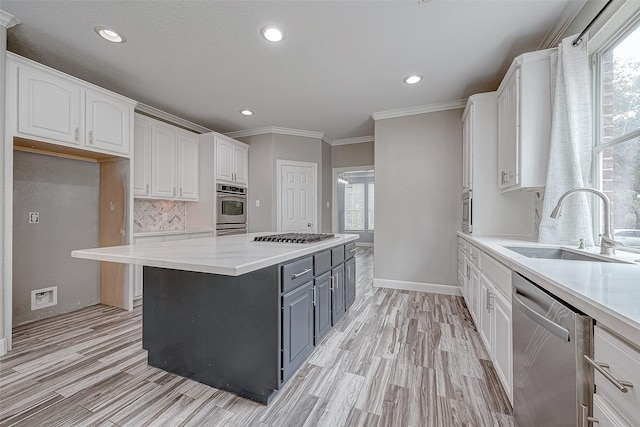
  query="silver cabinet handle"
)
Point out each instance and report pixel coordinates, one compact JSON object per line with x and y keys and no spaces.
{"x":174,"y":191}
{"x":623,"y":386}
{"x":303,"y":272}
{"x":505,"y":177}
{"x":90,"y":137}
{"x":77,"y":134}
{"x":331,"y":283}
{"x":585,"y":419}
{"x":352,"y":250}
{"x":180,"y":191}
{"x":147,"y":189}
{"x":540,"y":319}
{"x":314,"y":296}
{"x":489,"y":297}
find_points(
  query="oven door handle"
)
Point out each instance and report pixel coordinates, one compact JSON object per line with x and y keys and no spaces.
{"x":540,"y":319}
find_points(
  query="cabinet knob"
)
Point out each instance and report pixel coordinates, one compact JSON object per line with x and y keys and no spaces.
{"x":77,"y":134}
{"x":90,"y":137}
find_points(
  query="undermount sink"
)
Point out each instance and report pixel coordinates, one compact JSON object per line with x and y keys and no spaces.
{"x":558,"y":253}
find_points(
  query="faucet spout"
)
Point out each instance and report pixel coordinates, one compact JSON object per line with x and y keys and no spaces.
{"x":607,"y":243}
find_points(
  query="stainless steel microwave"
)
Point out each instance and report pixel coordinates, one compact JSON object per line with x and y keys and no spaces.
{"x":467,"y":211}
{"x":232,"y":204}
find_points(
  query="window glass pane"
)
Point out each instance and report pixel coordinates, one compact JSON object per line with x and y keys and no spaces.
{"x":620,"y":86}
{"x":354,"y":207}
{"x":620,"y":172}
{"x":370,"y":207}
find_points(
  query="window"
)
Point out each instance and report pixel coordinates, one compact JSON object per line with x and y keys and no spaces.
{"x":354,"y":207}
{"x":617,"y":149}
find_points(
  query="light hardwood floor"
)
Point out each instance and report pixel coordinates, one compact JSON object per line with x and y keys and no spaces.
{"x":396,"y":359}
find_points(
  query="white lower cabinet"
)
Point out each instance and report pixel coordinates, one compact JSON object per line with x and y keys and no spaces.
{"x":612,"y":406}
{"x":486,"y":286}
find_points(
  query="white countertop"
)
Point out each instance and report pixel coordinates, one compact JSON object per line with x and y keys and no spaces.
{"x":229,"y":255}
{"x":171,"y":232}
{"x":608,"y":292}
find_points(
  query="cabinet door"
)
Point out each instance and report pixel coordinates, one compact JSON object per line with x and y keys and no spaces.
{"x":108,"y":123}
{"x":337,"y":294}
{"x":350,"y":283}
{"x":141,"y":158}
{"x":297,"y":334}
{"x":502,"y":347}
{"x":474,"y":294}
{"x":485,"y":324}
{"x":163,"y":162}
{"x":322,"y":300}
{"x":224,"y":159}
{"x":241,"y":164}
{"x":467,"y":147}
{"x":188,"y":168}
{"x":508,"y":133}
{"x":49,"y":107}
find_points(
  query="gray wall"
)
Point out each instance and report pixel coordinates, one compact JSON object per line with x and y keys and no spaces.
{"x":3,"y":49}
{"x":361,"y":154}
{"x":264,"y":152}
{"x":66,"y":193}
{"x":418,"y":208}
{"x":326,"y":188}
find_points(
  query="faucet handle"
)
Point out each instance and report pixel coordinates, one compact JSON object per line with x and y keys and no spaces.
{"x":582,"y":245}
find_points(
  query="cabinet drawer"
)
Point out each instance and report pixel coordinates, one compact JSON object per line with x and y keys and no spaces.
{"x":322,"y":262}
{"x":337,"y":256}
{"x":497,"y":273}
{"x":606,"y":415}
{"x":624,"y":365}
{"x":349,"y":250}
{"x":296,"y":273}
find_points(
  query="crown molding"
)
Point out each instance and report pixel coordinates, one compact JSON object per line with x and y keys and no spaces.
{"x":148,"y":110}
{"x":356,"y":140}
{"x":276,"y":130}
{"x":7,"y":20}
{"x":420,"y":109}
{"x":568,"y":15}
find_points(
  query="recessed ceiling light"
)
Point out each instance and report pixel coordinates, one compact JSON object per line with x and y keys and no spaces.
{"x":109,"y":34}
{"x":411,"y":80}
{"x":271,"y":33}
{"x":246,"y":112}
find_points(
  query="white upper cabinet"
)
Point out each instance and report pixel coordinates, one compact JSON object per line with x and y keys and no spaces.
{"x":188,"y":178}
{"x":232,"y":159}
{"x":50,"y":106}
{"x":166,"y":161}
{"x":524,"y":122}
{"x":467,"y":145}
{"x":108,"y":122}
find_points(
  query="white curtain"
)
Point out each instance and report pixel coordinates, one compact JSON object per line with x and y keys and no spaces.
{"x":570,"y":148}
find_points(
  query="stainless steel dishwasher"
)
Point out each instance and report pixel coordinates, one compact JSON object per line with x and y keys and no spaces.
{"x":552,"y":383}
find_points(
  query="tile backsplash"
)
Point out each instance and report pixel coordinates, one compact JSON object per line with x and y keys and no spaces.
{"x":149,"y":215}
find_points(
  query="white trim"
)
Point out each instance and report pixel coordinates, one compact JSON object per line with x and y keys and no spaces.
{"x":417,"y":286}
{"x":356,"y":140}
{"x":170,"y":118}
{"x":364,"y":244}
{"x":328,"y":140}
{"x":3,"y":346}
{"x":314,"y":170}
{"x":420,"y":109}
{"x":568,"y":15}
{"x":7,"y":20}
{"x":334,"y":191}
{"x":276,"y":130}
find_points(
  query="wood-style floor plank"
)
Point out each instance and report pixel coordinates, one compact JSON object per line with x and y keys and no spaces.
{"x":397,"y":358}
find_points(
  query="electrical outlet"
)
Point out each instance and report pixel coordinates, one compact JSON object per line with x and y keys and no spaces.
{"x":328,"y":205}
{"x":257,"y":203}
{"x":34,"y":217}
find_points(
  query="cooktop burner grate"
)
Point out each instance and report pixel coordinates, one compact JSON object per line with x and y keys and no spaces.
{"x":294,"y":237}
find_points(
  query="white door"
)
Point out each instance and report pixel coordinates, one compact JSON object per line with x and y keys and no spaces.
{"x":297,"y":196}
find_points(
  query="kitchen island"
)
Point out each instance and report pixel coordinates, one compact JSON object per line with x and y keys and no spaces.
{"x":236,"y":314}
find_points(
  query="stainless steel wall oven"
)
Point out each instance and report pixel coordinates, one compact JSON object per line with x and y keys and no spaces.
{"x":232,"y":209}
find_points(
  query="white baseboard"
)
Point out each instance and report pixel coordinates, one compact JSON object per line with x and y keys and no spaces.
{"x":3,"y":346}
{"x":417,"y":286}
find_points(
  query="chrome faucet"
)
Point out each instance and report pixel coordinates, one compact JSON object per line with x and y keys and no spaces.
{"x":607,"y":243}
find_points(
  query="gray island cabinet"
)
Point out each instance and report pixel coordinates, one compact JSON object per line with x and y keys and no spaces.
{"x":246,"y":333}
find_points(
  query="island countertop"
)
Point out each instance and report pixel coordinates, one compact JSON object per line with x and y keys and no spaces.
{"x":227,"y":255}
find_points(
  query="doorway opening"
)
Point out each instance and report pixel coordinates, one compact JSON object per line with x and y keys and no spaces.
{"x":355,"y":203}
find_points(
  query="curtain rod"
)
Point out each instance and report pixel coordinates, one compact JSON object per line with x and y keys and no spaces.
{"x":578,"y":39}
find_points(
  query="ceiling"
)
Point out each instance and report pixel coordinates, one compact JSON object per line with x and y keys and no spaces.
{"x":340,"y":61}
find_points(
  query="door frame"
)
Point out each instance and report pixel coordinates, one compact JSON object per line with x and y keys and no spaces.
{"x":334,"y":191}
{"x":314,"y":171}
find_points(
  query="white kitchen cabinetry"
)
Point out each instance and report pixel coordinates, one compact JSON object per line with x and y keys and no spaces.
{"x":487,"y":292}
{"x":232,"y":158}
{"x":612,"y":407}
{"x":166,"y":164}
{"x":467,"y":147}
{"x":168,"y":237}
{"x":59,"y":109}
{"x":524,"y":122}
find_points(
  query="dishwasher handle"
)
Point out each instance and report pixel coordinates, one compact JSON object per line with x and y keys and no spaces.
{"x":540,"y":319}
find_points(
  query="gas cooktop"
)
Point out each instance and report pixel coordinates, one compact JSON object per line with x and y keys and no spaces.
{"x":294,"y":237}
